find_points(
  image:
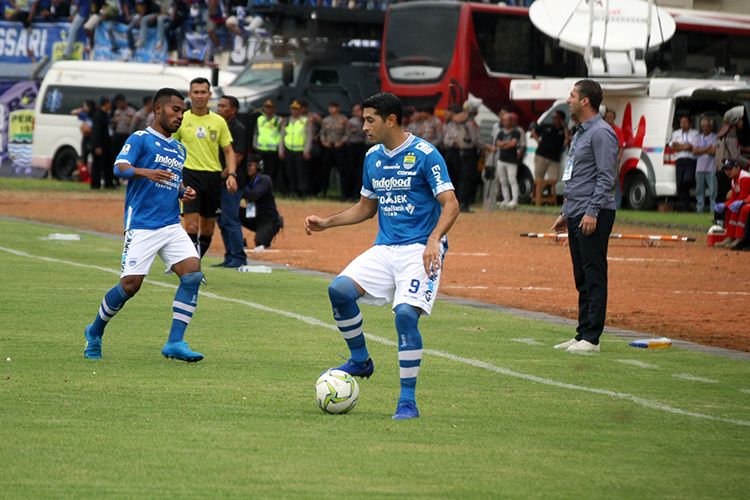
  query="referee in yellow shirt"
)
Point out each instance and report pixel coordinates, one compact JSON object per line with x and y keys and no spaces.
{"x":203,"y":132}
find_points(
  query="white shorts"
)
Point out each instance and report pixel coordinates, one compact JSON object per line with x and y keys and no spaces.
{"x":395,"y":273}
{"x":141,"y":246}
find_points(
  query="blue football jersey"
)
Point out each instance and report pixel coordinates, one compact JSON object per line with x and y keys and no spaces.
{"x":148,"y":204}
{"x":406,"y":182}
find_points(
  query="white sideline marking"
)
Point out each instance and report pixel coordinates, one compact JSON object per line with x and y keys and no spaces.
{"x":638,"y":363}
{"x":465,"y":287}
{"x":693,"y":378}
{"x":702,"y":292}
{"x":641,"y":259}
{"x":746,"y":391}
{"x":468,"y":254}
{"x":646,"y":403}
{"x":527,"y":341}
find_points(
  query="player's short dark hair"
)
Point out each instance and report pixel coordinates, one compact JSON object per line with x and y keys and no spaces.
{"x":104,"y":100}
{"x":147,"y":99}
{"x":334,"y":104}
{"x":385,"y":104}
{"x":165,"y":94}
{"x":200,"y":81}
{"x":119,"y":97}
{"x":233,"y":101}
{"x":592,"y":90}
{"x":610,"y":110}
{"x":426,"y":108}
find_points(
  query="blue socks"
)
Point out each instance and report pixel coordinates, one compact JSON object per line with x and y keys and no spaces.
{"x":183,"y":307}
{"x":113,"y":301}
{"x":409,"y":349}
{"x":344,"y":294}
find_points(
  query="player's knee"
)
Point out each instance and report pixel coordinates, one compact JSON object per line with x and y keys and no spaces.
{"x":131,"y":284}
{"x":407,"y":318}
{"x":192,"y":280}
{"x":342,"y":290}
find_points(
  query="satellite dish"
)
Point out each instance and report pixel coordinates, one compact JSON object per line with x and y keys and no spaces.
{"x":613,"y":35}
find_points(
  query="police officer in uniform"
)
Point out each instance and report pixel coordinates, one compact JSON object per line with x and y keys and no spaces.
{"x":266,"y":139}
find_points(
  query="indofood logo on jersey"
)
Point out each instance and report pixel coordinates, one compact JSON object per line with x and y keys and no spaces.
{"x":409,"y":160}
{"x":168,"y":161}
{"x":392,"y":184}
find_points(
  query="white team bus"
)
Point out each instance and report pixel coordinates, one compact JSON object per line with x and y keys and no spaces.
{"x":57,"y":136}
{"x":647,"y":110}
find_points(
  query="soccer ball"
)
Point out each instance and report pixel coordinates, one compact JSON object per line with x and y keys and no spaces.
{"x":336,"y":391}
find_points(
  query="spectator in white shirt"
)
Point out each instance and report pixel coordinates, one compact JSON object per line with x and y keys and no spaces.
{"x":683,"y":140}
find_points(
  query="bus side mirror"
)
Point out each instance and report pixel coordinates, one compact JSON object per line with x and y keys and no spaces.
{"x":287,"y":73}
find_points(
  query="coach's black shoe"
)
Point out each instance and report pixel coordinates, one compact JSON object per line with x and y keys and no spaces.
{"x":223,"y":263}
{"x":356,"y":369}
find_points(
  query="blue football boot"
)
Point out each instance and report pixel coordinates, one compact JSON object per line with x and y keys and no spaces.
{"x":181,"y":351}
{"x":406,"y":409}
{"x":93,"y":348}
{"x":358,"y":369}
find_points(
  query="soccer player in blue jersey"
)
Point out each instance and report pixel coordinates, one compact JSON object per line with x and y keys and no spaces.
{"x":405,"y":181}
{"x":152,"y":162}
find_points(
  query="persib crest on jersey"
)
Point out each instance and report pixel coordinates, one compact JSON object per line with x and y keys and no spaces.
{"x":409,"y":160}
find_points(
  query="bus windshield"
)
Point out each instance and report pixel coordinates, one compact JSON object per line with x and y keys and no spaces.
{"x":260,"y":74}
{"x":419,"y":44}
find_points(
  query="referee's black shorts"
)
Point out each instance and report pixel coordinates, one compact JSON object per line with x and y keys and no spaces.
{"x":207,"y":186}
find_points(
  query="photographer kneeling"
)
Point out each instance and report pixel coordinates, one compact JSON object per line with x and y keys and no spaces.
{"x":260,"y":215}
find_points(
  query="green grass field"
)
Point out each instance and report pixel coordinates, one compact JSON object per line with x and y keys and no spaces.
{"x":500,"y":418}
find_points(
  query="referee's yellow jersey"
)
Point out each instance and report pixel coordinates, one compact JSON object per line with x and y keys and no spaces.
{"x":203,"y":136}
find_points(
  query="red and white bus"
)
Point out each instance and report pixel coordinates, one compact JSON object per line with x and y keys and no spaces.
{"x":437,"y":52}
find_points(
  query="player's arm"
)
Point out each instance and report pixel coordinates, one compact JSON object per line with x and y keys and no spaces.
{"x":364,"y":209}
{"x":126,"y":171}
{"x":448,"y":215}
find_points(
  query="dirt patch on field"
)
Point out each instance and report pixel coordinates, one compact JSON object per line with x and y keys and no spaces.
{"x":685,"y":291}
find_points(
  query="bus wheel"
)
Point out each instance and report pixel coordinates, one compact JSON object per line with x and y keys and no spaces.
{"x":65,"y":165}
{"x":637,"y":192}
{"x":525,"y":184}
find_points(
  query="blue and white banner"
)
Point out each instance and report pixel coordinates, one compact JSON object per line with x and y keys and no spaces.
{"x":16,"y":127}
{"x":19,"y":45}
{"x":111,"y":44}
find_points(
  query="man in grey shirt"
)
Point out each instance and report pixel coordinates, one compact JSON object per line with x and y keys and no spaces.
{"x":588,"y":212}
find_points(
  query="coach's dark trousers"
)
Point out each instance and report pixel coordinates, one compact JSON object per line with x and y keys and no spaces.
{"x":589,"y":255}
{"x":685,"y":180}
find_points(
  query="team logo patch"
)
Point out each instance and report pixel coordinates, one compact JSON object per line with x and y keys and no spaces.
{"x":214,"y":135}
{"x":132,"y":262}
{"x":125,"y":149}
{"x":409,"y":160}
{"x":200,"y":132}
{"x":158,"y":143}
{"x":378,"y":163}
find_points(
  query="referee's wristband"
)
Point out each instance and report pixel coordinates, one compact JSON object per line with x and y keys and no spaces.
{"x":232,"y":174}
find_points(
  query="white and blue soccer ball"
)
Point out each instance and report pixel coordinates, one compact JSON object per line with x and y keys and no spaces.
{"x":336,"y":391}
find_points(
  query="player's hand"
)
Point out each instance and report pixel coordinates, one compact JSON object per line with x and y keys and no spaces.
{"x":560,"y":225}
{"x":431,"y":256}
{"x":159,"y":176}
{"x":189,"y":194}
{"x":231,"y":184}
{"x":587,"y":225}
{"x":313,"y":223}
